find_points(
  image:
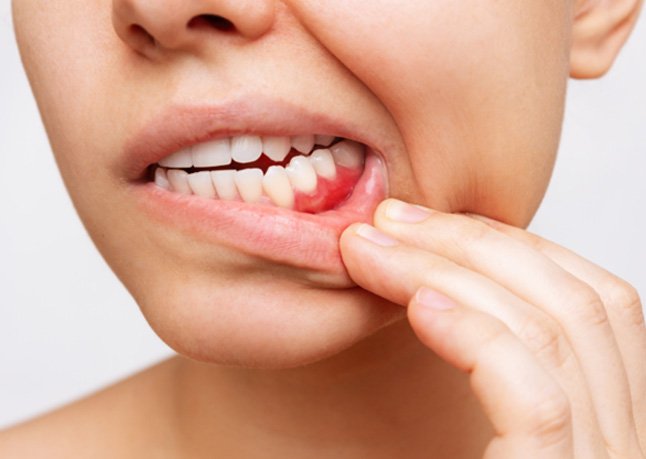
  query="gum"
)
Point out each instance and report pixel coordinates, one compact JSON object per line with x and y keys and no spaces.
{"x":329,"y":193}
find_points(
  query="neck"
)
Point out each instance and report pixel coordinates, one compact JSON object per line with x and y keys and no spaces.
{"x":387,"y":396}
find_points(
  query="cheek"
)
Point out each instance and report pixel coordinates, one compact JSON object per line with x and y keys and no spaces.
{"x":67,"y":49}
{"x":476,"y":89}
{"x":69,"y":52}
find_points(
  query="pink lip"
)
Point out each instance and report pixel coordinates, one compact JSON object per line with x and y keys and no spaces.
{"x":308,"y":241}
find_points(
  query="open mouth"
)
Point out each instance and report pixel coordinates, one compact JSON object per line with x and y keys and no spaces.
{"x":306,"y":173}
{"x":262,"y":177}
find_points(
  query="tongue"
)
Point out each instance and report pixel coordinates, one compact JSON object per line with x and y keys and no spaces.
{"x":329,"y":193}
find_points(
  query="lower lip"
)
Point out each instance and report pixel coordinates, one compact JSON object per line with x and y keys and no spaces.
{"x":309,"y":241}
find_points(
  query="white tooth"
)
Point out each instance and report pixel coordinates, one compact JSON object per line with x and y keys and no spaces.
{"x":178,"y":179}
{"x":276,"y":148}
{"x":246,"y":148}
{"x":323,"y":163}
{"x":348,"y":154}
{"x":324,"y":140}
{"x":201,"y":184}
{"x":303,"y":143}
{"x":161,"y":180}
{"x":277,"y":186}
{"x":212,"y":154}
{"x":301,"y":174}
{"x":249,"y":183}
{"x":224,"y":184}
{"x":180,"y":158}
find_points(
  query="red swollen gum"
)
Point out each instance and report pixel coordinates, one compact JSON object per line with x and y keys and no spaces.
{"x":329,"y":193}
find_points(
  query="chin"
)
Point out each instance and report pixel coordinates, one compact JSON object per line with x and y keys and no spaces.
{"x":282,"y":326}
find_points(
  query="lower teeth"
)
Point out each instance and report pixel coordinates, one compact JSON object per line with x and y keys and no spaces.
{"x":312,"y":183}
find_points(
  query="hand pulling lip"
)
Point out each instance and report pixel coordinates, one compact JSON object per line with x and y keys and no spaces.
{"x":180,"y":126}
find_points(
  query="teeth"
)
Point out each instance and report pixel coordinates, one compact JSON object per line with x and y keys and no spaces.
{"x":276,"y":148}
{"x":277,"y":186}
{"x":301,"y":174}
{"x":323,"y":163}
{"x":224,"y":184}
{"x":161,"y":180}
{"x":201,"y":184}
{"x":178,"y":179}
{"x":246,"y":148}
{"x":324,"y":140}
{"x":243,"y":149}
{"x":212,"y":154}
{"x":347,"y":154}
{"x":249,"y":183}
{"x":178,"y":159}
{"x":303,"y":143}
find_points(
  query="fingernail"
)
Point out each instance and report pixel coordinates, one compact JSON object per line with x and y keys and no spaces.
{"x":403,"y":212}
{"x":374,"y":235}
{"x":434,"y":300}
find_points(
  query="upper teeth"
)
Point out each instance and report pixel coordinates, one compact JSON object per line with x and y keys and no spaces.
{"x":278,"y":184}
{"x":242,"y":149}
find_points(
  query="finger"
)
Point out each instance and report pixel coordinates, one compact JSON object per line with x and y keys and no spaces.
{"x":529,"y":411}
{"x":622,"y":301}
{"x":539,"y":281}
{"x":395,"y":271}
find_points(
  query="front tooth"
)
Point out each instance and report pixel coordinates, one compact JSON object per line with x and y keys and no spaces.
{"x":303,"y":143}
{"x":324,"y":140}
{"x":224,"y":184}
{"x":212,"y":154}
{"x":276,"y":148}
{"x":323,"y":163}
{"x":277,"y":186}
{"x":246,"y":148}
{"x":301,"y":174}
{"x":180,"y":159}
{"x":178,"y":179}
{"x":348,"y":153}
{"x":161,"y":180}
{"x":201,"y":184}
{"x":249,"y":183}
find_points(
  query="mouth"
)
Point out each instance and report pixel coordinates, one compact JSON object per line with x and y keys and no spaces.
{"x":305,"y":173}
{"x":281,"y":188}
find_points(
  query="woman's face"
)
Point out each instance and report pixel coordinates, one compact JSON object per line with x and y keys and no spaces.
{"x":462,"y":101}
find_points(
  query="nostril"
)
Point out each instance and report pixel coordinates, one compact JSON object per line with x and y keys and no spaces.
{"x":211,"y":21}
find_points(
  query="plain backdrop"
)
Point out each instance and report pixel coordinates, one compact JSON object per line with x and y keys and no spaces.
{"x":68,"y":327}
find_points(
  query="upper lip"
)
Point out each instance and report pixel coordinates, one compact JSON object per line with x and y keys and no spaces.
{"x":180,"y":126}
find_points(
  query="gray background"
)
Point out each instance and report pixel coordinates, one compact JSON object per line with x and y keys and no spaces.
{"x":67,"y":327}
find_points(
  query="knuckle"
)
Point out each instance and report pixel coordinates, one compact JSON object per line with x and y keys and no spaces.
{"x":494,"y":340}
{"x":437,"y":269}
{"x":476,"y":232}
{"x":621,"y":296}
{"x":469,"y":236}
{"x":546,"y":341}
{"x":586,"y":305}
{"x":550,"y":419}
{"x":537,"y":243}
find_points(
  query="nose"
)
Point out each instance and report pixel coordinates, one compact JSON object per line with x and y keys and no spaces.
{"x":149,"y":26}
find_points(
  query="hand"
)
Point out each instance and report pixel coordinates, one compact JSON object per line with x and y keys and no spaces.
{"x":555,"y":346}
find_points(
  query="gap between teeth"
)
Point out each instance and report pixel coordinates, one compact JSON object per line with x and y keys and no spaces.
{"x":277,"y":185}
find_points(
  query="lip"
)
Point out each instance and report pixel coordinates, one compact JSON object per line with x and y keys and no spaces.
{"x":308,"y":241}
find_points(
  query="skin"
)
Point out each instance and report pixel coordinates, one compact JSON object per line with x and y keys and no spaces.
{"x":541,"y":350}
